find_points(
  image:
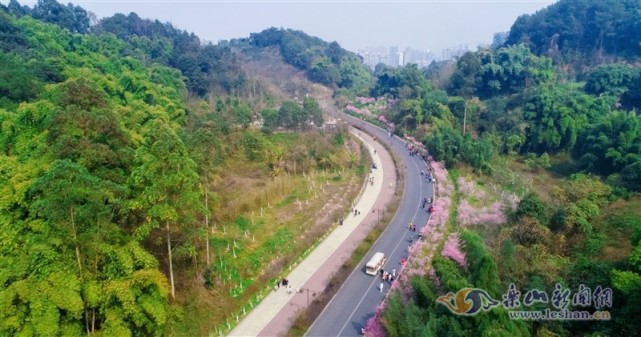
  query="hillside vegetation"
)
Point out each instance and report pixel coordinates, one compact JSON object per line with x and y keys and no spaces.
{"x":582,"y":33}
{"x":541,"y":143}
{"x":153,"y":185}
{"x":149,"y":186}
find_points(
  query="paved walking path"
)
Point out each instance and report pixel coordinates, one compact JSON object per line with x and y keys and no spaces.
{"x":276,"y":312}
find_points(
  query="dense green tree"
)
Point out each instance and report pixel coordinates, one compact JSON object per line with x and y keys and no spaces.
{"x":270,"y":118}
{"x":511,"y":69}
{"x":206,"y":67}
{"x":16,"y":9}
{"x":631,"y":99}
{"x":18,"y":83}
{"x":432,"y":100}
{"x":291,"y":115}
{"x":313,"y":111}
{"x":243,"y":114}
{"x":48,"y":305}
{"x":482,"y":266}
{"x":532,"y":206}
{"x":166,"y":184}
{"x":12,"y":38}
{"x":268,"y":37}
{"x":631,"y":176}
{"x":451,"y":147}
{"x":86,"y":276}
{"x":407,"y":82}
{"x":74,"y":18}
{"x":611,"y":143}
{"x":612,"y":79}
{"x":84,"y":130}
{"x":580,"y":32}
{"x":68,"y":196}
{"x":556,"y":115}
{"x":465,"y":79}
{"x":325,"y":72}
{"x":387,"y":81}
{"x":354,"y":75}
{"x":335,"y":52}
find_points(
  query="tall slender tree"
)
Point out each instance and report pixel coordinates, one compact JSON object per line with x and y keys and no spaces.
{"x":166,"y":184}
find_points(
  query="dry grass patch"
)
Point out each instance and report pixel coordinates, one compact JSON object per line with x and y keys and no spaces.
{"x":268,"y":225}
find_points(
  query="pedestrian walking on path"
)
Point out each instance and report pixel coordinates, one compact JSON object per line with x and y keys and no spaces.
{"x":380,"y":286}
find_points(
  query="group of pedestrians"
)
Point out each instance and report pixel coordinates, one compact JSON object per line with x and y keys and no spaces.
{"x":411,"y":226}
{"x":412,"y":150}
{"x":426,"y":201}
{"x":428,"y":176}
{"x":426,"y":204}
{"x":285,"y":283}
{"x":387,"y":276}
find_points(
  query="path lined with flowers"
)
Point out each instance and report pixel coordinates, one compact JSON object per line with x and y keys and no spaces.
{"x":477,"y":207}
{"x":421,"y":252}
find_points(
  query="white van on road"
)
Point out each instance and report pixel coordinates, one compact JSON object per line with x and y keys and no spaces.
{"x":375,"y":263}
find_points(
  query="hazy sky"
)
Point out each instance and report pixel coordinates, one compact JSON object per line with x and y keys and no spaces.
{"x":419,"y":24}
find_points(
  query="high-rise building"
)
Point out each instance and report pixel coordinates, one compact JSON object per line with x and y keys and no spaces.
{"x":392,"y":56}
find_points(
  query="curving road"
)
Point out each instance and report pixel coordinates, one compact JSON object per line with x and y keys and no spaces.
{"x":359,"y":296}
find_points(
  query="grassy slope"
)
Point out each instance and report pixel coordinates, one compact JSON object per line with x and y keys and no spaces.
{"x":264,"y":225}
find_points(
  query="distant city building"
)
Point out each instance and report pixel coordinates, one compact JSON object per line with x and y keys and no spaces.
{"x":373,"y":55}
{"x":422,"y":58}
{"x":394,"y":57}
{"x":452,"y":53}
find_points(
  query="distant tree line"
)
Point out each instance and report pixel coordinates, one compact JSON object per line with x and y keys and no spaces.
{"x":581,"y":33}
{"x":325,"y":63}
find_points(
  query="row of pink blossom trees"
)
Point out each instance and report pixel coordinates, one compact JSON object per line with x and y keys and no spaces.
{"x":490,"y":210}
{"x":361,"y":111}
{"x":366,"y":100}
{"x":421,"y":252}
{"x":452,"y":249}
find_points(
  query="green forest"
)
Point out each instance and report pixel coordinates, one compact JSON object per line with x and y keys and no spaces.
{"x":131,"y":160}
{"x":147,"y":177}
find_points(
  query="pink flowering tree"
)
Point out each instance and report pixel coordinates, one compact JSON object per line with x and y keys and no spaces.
{"x":452,"y":249}
{"x":465,"y":187}
{"x":374,"y":327}
{"x":489,"y":215}
{"x":440,"y":173}
{"x":493,"y":213}
{"x":365,"y":100}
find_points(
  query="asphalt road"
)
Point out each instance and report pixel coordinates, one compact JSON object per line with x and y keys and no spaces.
{"x":359,"y":296}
